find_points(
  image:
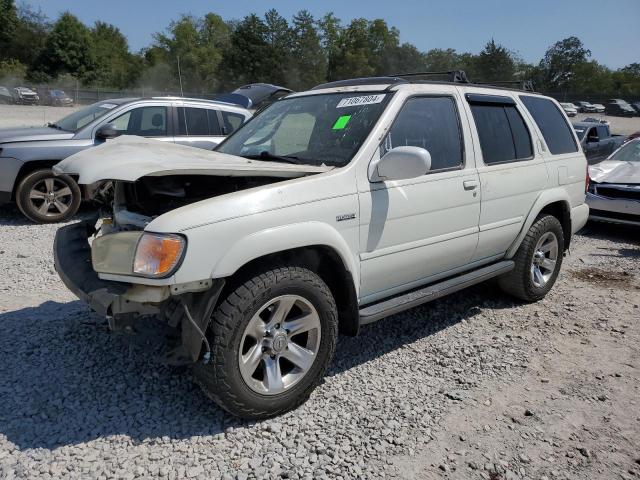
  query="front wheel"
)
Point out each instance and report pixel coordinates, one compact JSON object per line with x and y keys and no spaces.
{"x":43,"y":197}
{"x":537,"y":261}
{"x":272,"y":339}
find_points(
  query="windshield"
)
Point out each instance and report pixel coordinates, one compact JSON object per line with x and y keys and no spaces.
{"x":316,"y":129}
{"x":629,"y":153}
{"x":84,"y":116}
{"x":579,"y":132}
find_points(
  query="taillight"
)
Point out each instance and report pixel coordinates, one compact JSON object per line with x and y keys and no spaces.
{"x":587,"y":180}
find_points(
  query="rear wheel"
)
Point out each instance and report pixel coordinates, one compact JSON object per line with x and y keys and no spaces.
{"x":537,"y":261}
{"x":43,"y":197}
{"x":273,"y":338}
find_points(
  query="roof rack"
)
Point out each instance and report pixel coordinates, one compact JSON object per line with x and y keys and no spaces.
{"x":455,"y":76}
{"x":526,"y":85}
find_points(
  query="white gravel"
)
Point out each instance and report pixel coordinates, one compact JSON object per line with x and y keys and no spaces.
{"x":471,"y":386}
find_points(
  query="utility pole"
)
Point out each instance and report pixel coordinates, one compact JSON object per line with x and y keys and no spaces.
{"x":180,"y":77}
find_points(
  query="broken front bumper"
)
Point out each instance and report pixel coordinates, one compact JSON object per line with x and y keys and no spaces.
{"x":72,"y":256}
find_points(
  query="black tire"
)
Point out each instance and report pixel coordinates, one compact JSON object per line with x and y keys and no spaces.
{"x":37,"y":180}
{"x":519,"y":282}
{"x":221,"y":378}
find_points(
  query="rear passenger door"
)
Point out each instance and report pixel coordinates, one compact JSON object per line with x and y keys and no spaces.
{"x":512,"y":173}
{"x":198,"y":127}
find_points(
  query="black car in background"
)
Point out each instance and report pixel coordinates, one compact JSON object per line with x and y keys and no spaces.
{"x":54,"y":97}
{"x":5,"y":96}
{"x":636,"y":107}
{"x":619,"y":108}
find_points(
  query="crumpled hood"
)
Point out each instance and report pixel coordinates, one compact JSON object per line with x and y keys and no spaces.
{"x":614,"y":171}
{"x":129,"y":158}
{"x":30,"y":134}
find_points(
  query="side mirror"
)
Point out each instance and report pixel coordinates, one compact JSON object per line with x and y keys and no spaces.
{"x":593,"y":139}
{"x":402,"y":163}
{"x":106,"y":131}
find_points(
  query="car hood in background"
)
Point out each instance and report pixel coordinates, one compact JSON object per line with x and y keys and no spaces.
{"x":30,"y":134}
{"x":129,"y":158}
{"x":613,"y":171}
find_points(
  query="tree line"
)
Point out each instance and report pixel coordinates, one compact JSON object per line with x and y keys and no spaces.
{"x":210,"y":54}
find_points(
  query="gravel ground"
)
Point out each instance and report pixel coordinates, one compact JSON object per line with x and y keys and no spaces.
{"x":471,"y":386}
{"x":31,"y":115}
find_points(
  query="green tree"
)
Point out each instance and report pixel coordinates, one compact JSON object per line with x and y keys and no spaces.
{"x":279,"y":38}
{"x":8,"y":24}
{"x":68,"y":49}
{"x":494,"y":63}
{"x":115,"y":66}
{"x":354,"y":57}
{"x":560,"y":61}
{"x":331,"y":31}
{"x":308,"y":57}
{"x":29,"y":36}
{"x":249,"y":57}
{"x":197,"y":45}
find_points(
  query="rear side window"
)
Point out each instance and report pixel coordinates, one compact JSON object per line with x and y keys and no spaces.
{"x":504,"y":137}
{"x":197,"y":122}
{"x":430,"y":123}
{"x":555,"y":129}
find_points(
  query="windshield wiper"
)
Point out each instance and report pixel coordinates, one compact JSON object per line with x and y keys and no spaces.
{"x":54,"y":125}
{"x":276,"y":158}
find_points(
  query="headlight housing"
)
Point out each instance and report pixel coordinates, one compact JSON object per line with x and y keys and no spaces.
{"x":158,"y":254}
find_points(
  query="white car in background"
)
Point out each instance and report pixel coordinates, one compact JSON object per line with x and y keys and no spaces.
{"x":569,"y":108}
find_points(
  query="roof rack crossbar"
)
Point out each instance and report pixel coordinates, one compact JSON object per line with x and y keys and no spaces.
{"x":455,"y":76}
{"x":526,"y":85}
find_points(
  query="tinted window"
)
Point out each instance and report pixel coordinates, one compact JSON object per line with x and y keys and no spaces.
{"x":555,"y":129}
{"x":503,"y":134}
{"x":194,"y":122}
{"x":232,"y":122}
{"x":602,"y":132}
{"x":430,"y":123}
{"x":144,"y":121}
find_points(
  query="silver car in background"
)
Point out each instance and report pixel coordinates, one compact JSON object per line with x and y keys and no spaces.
{"x":614,"y":188}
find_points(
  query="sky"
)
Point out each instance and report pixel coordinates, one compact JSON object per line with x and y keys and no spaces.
{"x":610,"y":29}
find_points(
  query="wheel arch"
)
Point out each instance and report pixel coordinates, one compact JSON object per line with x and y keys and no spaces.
{"x":554,"y":202}
{"x":29,"y":167}
{"x":329,"y":259}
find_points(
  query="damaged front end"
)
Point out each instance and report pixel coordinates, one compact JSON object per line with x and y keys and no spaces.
{"x":185,"y":307}
{"x":124,"y":269}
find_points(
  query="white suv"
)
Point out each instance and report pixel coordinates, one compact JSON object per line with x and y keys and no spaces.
{"x":330,"y":209}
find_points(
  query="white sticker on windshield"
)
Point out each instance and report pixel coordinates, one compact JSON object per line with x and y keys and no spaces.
{"x":364,"y":100}
{"x":108,"y":105}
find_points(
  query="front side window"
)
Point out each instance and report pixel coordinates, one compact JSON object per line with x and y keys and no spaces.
{"x":552,"y":123}
{"x":504,"y":137}
{"x":313,"y":129}
{"x":430,"y":123}
{"x":143,"y":121}
{"x":232,"y":121}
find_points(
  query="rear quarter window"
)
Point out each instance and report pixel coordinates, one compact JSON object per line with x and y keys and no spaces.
{"x":552,"y":123}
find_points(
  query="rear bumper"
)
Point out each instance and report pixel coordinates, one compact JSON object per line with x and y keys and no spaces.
{"x":579,"y":217}
{"x":72,"y":258}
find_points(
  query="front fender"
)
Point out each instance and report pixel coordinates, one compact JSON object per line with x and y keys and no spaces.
{"x":545,"y":198}
{"x":278,"y":239}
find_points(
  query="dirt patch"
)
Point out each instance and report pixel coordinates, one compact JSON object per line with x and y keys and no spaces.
{"x":606,"y":278}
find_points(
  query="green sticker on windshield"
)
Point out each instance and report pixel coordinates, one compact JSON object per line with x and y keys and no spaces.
{"x":341,"y":122}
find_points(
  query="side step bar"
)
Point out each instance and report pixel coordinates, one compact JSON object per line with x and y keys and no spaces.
{"x":385,"y":308}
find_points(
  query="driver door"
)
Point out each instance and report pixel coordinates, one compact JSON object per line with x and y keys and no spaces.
{"x":414,"y":231}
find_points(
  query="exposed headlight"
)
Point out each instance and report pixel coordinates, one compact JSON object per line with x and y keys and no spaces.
{"x":158,"y":255}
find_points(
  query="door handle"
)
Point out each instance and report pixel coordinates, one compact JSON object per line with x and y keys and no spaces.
{"x":470,"y":184}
